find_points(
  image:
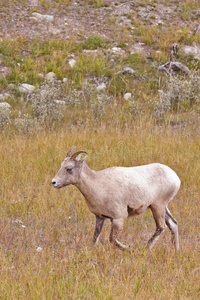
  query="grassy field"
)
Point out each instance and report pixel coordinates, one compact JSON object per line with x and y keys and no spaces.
{"x":46,"y":247}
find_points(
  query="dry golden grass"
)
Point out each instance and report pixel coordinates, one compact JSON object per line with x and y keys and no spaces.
{"x":33,"y":214}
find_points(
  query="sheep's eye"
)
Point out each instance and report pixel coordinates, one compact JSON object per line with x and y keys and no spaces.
{"x":69,"y":170}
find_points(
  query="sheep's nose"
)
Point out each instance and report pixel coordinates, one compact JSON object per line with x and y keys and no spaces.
{"x":53,"y":182}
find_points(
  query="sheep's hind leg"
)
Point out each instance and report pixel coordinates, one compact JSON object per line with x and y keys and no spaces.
{"x":173,"y":226}
{"x":98,"y":228}
{"x":116,"y":229}
{"x":159,"y":217}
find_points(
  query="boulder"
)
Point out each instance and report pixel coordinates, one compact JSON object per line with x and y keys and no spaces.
{"x":192,"y":50}
{"x":3,"y":97}
{"x":101,"y":87}
{"x":5,"y":71}
{"x":72,"y":62}
{"x":127,"y":96}
{"x":26,"y":88}
{"x":50,"y":76}
{"x":126,"y":70}
{"x":138,"y":48}
{"x":40,"y":17}
{"x":5,"y":105}
{"x":61,"y":102}
{"x":11,"y":86}
{"x":117,"y":50}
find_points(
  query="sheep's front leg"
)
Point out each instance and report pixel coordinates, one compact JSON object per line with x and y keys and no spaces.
{"x":116,"y":229}
{"x":98,"y":228}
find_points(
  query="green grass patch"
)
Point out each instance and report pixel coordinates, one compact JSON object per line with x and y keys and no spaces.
{"x":93,"y":42}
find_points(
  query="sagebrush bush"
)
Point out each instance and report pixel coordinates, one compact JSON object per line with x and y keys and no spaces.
{"x":97,"y":100}
{"x":134,"y":107}
{"x":45,"y":110}
{"x":74,"y":98}
{"x":89,"y":97}
{"x":179,"y":94}
{"x":4,"y":117}
{"x":26,"y":123}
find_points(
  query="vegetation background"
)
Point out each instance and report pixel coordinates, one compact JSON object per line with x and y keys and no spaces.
{"x":95,"y":82}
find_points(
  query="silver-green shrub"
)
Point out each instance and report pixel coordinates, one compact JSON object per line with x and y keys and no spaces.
{"x":96,"y":101}
{"x":45,"y":110}
{"x":4,"y":116}
{"x":26,"y":123}
{"x":179,"y":94}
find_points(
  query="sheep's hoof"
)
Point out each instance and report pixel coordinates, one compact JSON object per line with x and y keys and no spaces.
{"x":121,"y":246}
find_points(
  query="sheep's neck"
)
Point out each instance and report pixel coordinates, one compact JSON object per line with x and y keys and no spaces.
{"x":86,"y":183}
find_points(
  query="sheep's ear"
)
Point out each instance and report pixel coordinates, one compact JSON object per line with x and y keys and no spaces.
{"x":74,"y":156}
{"x":84,"y":159}
{"x":78,"y":158}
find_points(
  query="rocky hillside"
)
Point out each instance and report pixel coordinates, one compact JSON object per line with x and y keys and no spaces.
{"x":98,"y":54}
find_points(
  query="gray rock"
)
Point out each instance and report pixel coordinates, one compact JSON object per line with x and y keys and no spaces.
{"x":50,"y":76}
{"x":39,"y":249}
{"x":117,"y":50}
{"x":7,"y":95}
{"x":40,"y":17}
{"x":3,"y":97}
{"x":5,"y":71}
{"x":26,"y":88}
{"x":41,"y":75}
{"x":138,"y":48}
{"x":88,"y":51}
{"x":196,"y":13}
{"x":127,"y":96}
{"x":126,"y":70}
{"x":101,"y":87}
{"x":5,"y":105}
{"x":33,"y":2}
{"x":72,"y":62}
{"x":192,"y":50}
{"x":61,"y":102}
{"x":11,"y":86}
{"x":93,"y":53}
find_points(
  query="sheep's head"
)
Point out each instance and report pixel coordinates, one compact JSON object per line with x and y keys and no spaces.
{"x":69,"y":172}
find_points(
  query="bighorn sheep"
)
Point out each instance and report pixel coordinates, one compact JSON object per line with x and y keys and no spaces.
{"x":118,"y":192}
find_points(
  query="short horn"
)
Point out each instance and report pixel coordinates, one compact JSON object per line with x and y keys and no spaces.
{"x":69,"y":153}
{"x":77,"y":153}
